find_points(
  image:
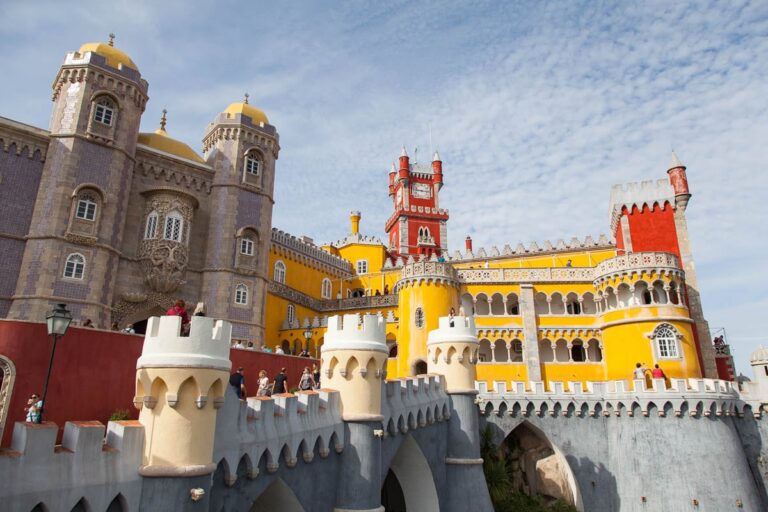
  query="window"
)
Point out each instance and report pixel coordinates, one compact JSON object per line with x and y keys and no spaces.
{"x":418,"y":318}
{"x":75,"y":266}
{"x":86,"y":207}
{"x":362,"y":266}
{"x":241,"y":295}
{"x":665,"y":337}
{"x":173,"y":225}
{"x":252,"y":164}
{"x":279,"y":274}
{"x":291,"y":313}
{"x":150,"y":231}
{"x":104,"y":112}
{"x":246,"y":246}
{"x":325,"y":289}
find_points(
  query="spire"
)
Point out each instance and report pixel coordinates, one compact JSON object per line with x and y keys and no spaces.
{"x":403,"y":152}
{"x":111,"y":39}
{"x":393,"y":168}
{"x":163,"y":120}
{"x":245,"y":98}
{"x":436,"y":157}
{"x":675,"y":161}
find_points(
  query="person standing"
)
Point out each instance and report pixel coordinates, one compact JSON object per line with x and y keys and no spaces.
{"x":237,"y":381}
{"x":281,"y":380}
{"x":639,"y":372}
{"x":658,"y":373}
{"x":316,"y":375}
{"x":179,"y":309}
{"x":263,"y":384}
{"x":306,"y":382}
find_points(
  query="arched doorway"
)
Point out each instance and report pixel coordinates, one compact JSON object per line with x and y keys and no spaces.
{"x":409,"y":485}
{"x":535,"y":467}
{"x":278,"y":496}
{"x":7,"y":378}
{"x":419,"y":367}
{"x":139,"y":319}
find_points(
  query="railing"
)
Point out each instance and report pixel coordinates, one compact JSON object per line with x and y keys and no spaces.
{"x":637,"y":260}
{"x":328,"y":305}
{"x":526,"y":275}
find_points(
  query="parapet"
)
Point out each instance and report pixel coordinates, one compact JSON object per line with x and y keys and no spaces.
{"x":347,"y":333}
{"x":644,"y":193}
{"x":207,"y":345}
{"x":414,"y":402}
{"x":85,"y":467}
{"x":462,"y":330}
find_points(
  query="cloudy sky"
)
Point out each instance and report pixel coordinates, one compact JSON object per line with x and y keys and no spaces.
{"x":537,"y":108}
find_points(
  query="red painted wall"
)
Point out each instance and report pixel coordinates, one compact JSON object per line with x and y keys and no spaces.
{"x":94,"y":371}
{"x":653,"y":230}
{"x":724,"y":367}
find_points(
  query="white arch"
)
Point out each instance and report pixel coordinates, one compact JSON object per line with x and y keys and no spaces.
{"x":415,"y":477}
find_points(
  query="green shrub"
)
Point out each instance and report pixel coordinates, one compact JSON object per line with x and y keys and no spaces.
{"x":120,"y":415}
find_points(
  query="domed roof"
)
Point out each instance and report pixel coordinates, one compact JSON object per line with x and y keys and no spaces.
{"x":243,"y":107}
{"x":759,"y":356}
{"x":114,"y":56}
{"x":161,"y":141}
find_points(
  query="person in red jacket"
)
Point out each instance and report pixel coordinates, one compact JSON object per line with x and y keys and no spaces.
{"x":179,"y":309}
{"x":658,"y":373}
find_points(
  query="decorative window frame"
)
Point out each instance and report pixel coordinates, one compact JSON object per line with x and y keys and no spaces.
{"x":326,"y":288}
{"x":254,"y":179}
{"x":418,"y":318}
{"x":361,"y":264}
{"x":280,"y":272}
{"x":81,"y":229}
{"x":152,"y":221}
{"x":242,"y":294}
{"x":8,"y":370}
{"x":84,"y":264}
{"x":174,"y":215}
{"x":247,"y":263}
{"x":678,"y":338}
{"x":99,"y":129}
{"x":290,"y":314}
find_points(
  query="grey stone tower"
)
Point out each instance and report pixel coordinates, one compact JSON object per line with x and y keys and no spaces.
{"x":77,"y":226}
{"x":242,"y":147}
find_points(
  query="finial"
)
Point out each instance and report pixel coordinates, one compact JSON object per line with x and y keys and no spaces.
{"x":675,"y":161}
{"x":111,"y":39}
{"x":436,"y":157}
{"x":393,"y":168}
{"x":404,"y":152}
{"x":163,"y":120}
{"x":245,"y":98}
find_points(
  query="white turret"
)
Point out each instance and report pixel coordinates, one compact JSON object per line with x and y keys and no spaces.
{"x":452,"y":351}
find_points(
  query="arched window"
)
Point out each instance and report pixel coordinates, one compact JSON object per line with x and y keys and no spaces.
{"x":279,"y":274}
{"x":573,"y":306}
{"x":482,"y":308}
{"x":241,"y":295}
{"x":546,"y":353}
{"x":74,"y":268}
{"x":418,"y":318}
{"x":150,"y":230}
{"x":325,"y":289}
{"x":290,"y":313}
{"x":674,"y":297}
{"x":516,"y":349}
{"x":578,"y":354}
{"x":253,"y":164}
{"x":666,"y":339}
{"x":485,"y":352}
{"x":86,"y":206}
{"x":246,"y":246}
{"x":497,"y":304}
{"x":104,"y":111}
{"x":556,"y":305}
{"x":362,"y":266}
{"x":513,"y":304}
{"x":174,"y":223}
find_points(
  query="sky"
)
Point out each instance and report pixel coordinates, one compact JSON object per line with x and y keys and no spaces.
{"x":537,"y":109}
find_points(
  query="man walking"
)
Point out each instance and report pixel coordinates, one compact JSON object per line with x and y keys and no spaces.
{"x":237,"y":381}
{"x":280,"y":382}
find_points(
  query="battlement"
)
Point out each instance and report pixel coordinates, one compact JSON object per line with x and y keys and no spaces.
{"x":283,"y":426}
{"x":310,"y":250}
{"x":207,"y":345}
{"x":426,"y":271}
{"x":573,"y":245}
{"x":348,"y":333}
{"x":640,"y":194}
{"x":462,"y":330}
{"x":692,"y":397}
{"x":85,"y":466}
{"x":408,"y":404}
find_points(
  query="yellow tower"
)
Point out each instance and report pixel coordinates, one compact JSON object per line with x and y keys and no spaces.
{"x":180,"y":382}
{"x":354,"y":219}
{"x":354,"y":359}
{"x":426,"y":291}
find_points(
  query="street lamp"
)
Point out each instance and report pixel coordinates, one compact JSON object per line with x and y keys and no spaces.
{"x":307,"y":336}
{"x":58,"y":322}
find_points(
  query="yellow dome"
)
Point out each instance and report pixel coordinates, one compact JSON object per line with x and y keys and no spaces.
{"x":257,"y":116}
{"x":113,"y":56}
{"x":161,"y":141}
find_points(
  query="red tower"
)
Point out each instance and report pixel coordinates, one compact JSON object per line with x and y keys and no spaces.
{"x":418,"y":225}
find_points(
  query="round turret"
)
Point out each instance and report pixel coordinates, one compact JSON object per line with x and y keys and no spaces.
{"x":759,"y":356}
{"x":354,"y":362}
{"x":452,"y":352}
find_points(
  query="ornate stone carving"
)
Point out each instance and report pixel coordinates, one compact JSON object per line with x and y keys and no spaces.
{"x":164,"y":264}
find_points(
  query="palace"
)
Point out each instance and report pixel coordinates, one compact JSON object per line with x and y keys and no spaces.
{"x":118,"y":224}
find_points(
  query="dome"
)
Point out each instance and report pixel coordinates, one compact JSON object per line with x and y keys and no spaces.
{"x":759,"y":356}
{"x":257,"y":116}
{"x":161,"y":141}
{"x":115,"y":57}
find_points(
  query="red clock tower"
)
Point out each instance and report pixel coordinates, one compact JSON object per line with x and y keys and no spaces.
{"x":418,"y":225}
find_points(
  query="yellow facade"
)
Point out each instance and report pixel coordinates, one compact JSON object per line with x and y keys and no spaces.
{"x":580,"y":322}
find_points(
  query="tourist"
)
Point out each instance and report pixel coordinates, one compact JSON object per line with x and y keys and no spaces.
{"x":386,"y":289}
{"x":129,"y":329}
{"x":658,"y":373}
{"x":306,"y":382}
{"x":88,"y":323}
{"x":316,"y":375}
{"x":639,"y":372}
{"x":451,"y":316}
{"x":199,"y":309}
{"x":304,"y":353}
{"x":34,"y":409}
{"x":378,"y":293}
{"x":250,"y":346}
{"x":238,"y":344}
{"x":237,"y":381}
{"x":280,"y":382}
{"x":115,"y":327}
{"x":568,"y":263}
{"x":279,"y":350}
{"x":179,"y":309}
{"x":263,"y":384}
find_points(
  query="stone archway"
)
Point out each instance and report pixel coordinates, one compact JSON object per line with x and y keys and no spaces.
{"x":419,"y":367}
{"x":278,"y":496}
{"x":537,"y":467}
{"x":7,"y":379}
{"x":409,"y":485}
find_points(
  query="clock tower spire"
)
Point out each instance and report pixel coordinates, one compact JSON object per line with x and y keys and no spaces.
{"x":418,"y":225}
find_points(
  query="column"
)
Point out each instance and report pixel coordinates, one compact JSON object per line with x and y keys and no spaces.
{"x":530,"y":332}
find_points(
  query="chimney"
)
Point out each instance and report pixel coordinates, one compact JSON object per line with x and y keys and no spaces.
{"x":468,"y":243}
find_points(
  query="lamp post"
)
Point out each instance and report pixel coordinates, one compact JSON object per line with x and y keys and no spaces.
{"x":307,"y":337}
{"x":58,"y":322}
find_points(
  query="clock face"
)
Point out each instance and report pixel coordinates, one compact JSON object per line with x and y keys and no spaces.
{"x":399,"y":196}
{"x":421,"y":190}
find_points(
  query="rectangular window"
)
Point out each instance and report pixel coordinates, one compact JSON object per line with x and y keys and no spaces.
{"x":86,"y":209}
{"x":246,"y":246}
{"x":362,"y":266}
{"x":173,"y":229}
{"x":103,"y":114}
{"x":667,"y":347}
{"x":151,"y":230}
{"x":241,"y":295}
